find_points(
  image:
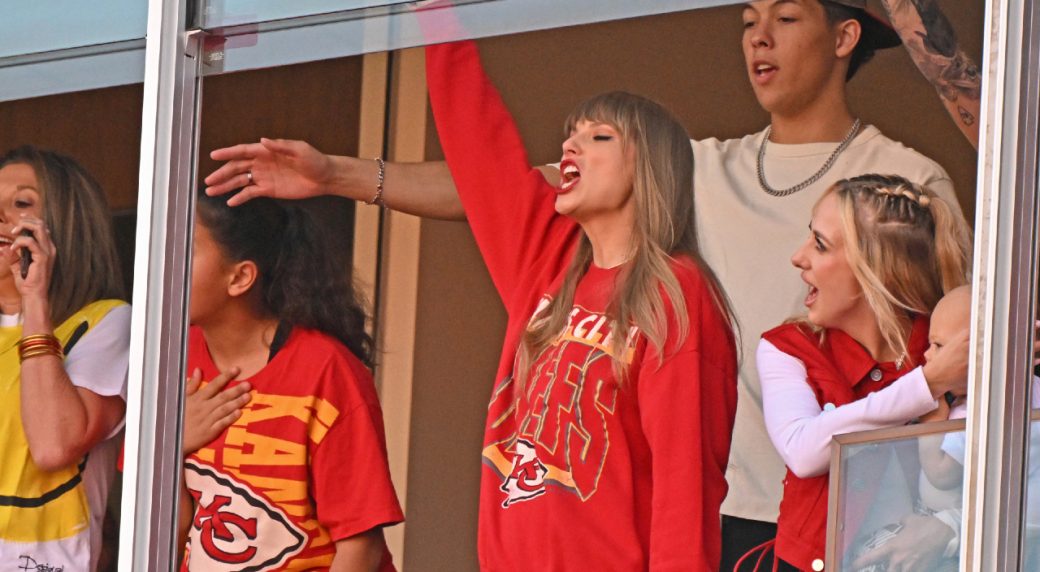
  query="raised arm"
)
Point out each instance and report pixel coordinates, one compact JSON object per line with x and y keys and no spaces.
{"x":932,"y":44}
{"x":509,"y":204}
{"x":68,"y":406}
{"x":287,"y":169}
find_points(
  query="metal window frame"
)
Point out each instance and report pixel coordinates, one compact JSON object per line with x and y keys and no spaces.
{"x":1005,"y":287}
{"x":169,"y":140}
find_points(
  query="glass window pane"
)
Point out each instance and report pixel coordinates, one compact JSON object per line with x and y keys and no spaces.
{"x":898,"y":497}
{"x":60,"y":46}
{"x":51,"y":25}
{"x":219,"y":13}
{"x":355,"y":30}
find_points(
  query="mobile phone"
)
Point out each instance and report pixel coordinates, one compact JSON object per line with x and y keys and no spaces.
{"x":26,"y":254}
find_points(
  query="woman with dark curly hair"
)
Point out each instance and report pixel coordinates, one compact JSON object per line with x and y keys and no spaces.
{"x":303,"y":466}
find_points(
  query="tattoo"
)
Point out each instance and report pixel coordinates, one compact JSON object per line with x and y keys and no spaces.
{"x":932,"y":43}
{"x":959,"y":76}
{"x":966,"y":117}
{"x":939,"y":37}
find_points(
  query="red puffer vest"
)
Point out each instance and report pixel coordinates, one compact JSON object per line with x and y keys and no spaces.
{"x":840,"y":371}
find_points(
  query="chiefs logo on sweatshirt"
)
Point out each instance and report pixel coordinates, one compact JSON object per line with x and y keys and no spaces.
{"x":556,"y":433}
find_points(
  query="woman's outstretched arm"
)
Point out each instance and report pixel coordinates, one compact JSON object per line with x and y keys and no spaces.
{"x":287,"y":169}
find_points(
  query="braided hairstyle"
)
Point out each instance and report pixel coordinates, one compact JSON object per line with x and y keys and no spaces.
{"x":300,"y":281}
{"x":906,"y":247}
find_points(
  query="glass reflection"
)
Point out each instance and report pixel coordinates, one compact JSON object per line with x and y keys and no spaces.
{"x":898,"y":502}
{"x":321,"y":29}
{"x":233,"y":12}
{"x":51,"y":25}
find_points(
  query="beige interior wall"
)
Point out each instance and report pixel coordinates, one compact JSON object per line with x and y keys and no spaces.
{"x":692,"y":64}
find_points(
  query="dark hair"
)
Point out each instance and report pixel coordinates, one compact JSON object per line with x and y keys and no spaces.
{"x":75,"y":210}
{"x":862,"y":53}
{"x":300,"y":282}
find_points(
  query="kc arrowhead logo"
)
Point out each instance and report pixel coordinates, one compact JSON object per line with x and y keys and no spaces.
{"x":228,"y":522}
{"x":527,"y":479}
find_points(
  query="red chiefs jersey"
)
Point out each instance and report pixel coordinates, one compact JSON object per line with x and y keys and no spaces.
{"x":582,"y":471}
{"x":304,"y":466}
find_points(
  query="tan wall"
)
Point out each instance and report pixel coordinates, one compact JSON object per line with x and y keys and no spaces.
{"x":692,"y":64}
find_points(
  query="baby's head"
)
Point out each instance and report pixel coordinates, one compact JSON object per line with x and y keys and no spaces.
{"x":952,"y":315}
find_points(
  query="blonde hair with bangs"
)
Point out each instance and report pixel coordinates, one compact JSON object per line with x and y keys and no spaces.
{"x":663,"y":201}
{"x":906,"y":247}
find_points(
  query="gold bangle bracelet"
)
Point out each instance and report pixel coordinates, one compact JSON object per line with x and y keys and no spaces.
{"x":37,"y":340}
{"x":22,"y":356}
{"x":27,"y":358}
{"x":38,"y":344}
{"x":34,"y":351}
{"x":39,"y":337}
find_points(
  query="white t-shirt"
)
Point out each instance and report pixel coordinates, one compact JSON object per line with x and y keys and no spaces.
{"x":748,"y":237}
{"x":98,"y":362}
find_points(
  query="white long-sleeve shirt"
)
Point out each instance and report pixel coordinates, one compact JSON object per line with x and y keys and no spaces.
{"x":801,"y":429}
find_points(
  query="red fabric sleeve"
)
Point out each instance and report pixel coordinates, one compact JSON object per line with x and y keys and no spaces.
{"x":509,"y":205}
{"x":350,"y":473}
{"x":687,"y":406}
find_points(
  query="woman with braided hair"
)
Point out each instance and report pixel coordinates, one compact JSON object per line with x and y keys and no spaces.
{"x":881,"y":252}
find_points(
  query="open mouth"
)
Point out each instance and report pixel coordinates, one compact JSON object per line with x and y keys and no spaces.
{"x":5,"y":241}
{"x":763,"y":71}
{"x":814,"y":293}
{"x":569,"y":175}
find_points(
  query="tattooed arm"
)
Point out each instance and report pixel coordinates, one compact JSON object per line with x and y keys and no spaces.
{"x":932,"y":44}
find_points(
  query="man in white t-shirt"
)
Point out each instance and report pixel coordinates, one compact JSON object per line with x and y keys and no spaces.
{"x":753,"y":198}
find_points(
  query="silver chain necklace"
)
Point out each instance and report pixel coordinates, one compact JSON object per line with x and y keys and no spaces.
{"x":760,"y":163}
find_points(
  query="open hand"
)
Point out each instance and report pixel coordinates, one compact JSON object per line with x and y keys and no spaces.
{"x":276,"y":168}
{"x":212,"y":409}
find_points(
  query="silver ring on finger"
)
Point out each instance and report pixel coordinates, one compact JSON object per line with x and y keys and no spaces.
{"x":249,"y":177}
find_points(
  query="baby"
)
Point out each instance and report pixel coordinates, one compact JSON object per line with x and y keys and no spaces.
{"x":944,"y":465}
{"x":942,"y":456}
{"x":942,"y":459}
